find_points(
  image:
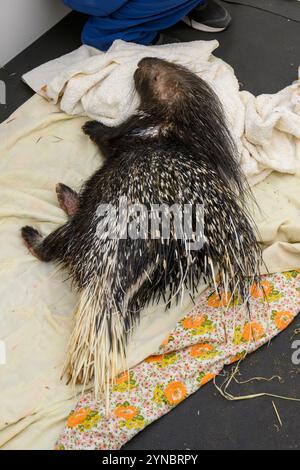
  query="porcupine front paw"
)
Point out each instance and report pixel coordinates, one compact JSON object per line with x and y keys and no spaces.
{"x":32,"y":238}
{"x":93,"y":129}
{"x":67,"y":198}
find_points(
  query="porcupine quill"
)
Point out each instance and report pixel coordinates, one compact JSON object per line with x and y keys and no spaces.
{"x":175,"y":150}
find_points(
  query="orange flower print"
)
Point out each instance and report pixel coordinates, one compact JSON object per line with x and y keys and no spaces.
{"x":193,"y":322}
{"x":158,"y":358}
{"x":78,"y":417}
{"x":126,"y":412}
{"x":237,"y":358}
{"x":206,"y":378}
{"x":165,"y":341}
{"x":201,"y":350}
{"x":216,"y":301}
{"x":253,"y":332}
{"x":120,"y":379}
{"x":175,"y":392}
{"x":283,"y":319}
{"x":261,"y":290}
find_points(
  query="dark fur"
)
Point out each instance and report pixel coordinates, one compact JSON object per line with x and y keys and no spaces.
{"x":191,"y":158}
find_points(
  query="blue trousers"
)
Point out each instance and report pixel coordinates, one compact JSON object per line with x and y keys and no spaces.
{"x":131,"y":20}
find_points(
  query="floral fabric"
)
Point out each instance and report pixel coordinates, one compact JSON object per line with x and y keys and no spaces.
{"x":217,"y":332}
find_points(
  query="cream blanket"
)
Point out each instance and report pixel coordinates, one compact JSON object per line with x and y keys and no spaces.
{"x":100,"y":85}
{"x":40,"y":146}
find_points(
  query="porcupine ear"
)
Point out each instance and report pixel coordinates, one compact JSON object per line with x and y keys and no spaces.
{"x":168,"y":92}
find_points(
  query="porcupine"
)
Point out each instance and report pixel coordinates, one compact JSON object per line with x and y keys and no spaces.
{"x":176,"y":149}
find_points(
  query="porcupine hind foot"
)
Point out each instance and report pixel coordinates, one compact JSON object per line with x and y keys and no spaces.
{"x":32,"y":239}
{"x":67,"y":198}
{"x":51,"y":248}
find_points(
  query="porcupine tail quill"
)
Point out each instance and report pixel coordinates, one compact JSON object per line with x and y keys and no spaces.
{"x":97,"y":348}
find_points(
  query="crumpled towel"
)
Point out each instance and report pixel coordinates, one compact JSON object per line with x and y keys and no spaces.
{"x":211,"y":336}
{"x":100,"y":85}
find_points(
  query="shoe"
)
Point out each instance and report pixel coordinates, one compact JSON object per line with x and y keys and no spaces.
{"x":210,"y":17}
{"x":163,"y":38}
